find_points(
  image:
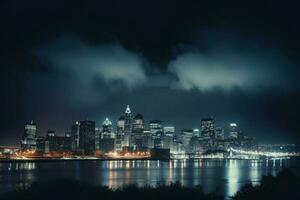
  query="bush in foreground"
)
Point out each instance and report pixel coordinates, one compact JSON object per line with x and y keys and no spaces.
{"x":66,"y":189}
{"x":286,"y":185}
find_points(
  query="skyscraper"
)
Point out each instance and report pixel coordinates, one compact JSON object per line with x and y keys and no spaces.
{"x":196,"y":132}
{"x":156,"y":131}
{"x":75,"y":136}
{"x":168,"y":137}
{"x":107,"y":129}
{"x":120,"y":134}
{"x":138,"y":122}
{"x":138,"y":132}
{"x":207,"y":128}
{"x":187,"y":134}
{"x":87,"y":137}
{"x":40,"y":144}
{"x":127,"y":127}
{"x":28,"y":141}
{"x":220,"y":133}
{"x":98,"y":133}
{"x":107,"y":138}
{"x":233,"y":131}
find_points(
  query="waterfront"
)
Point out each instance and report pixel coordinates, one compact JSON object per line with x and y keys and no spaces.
{"x":223,"y":176}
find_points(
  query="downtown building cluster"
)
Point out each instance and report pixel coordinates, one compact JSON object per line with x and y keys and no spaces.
{"x":133,"y":134}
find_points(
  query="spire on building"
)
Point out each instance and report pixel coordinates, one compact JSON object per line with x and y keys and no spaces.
{"x":107,"y":122}
{"x":127,"y":111}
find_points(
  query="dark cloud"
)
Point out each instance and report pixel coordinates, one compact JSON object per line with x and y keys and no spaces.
{"x":110,"y":62}
{"x":230,"y":68}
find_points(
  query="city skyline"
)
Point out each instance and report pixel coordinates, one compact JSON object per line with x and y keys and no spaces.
{"x":133,"y":136}
{"x":114,"y":123}
{"x":187,"y":61}
{"x":225,"y":126}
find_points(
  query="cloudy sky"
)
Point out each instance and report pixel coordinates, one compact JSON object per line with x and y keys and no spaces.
{"x":63,"y":61}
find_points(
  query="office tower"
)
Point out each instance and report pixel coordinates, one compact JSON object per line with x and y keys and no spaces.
{"x":186,"y":135}
{"x":147,"y":139}
{"x":120,"y":134}
{"x":107,"y":129}
{"x":28,"y":141}
{"x":168,"y":137}
{"x":50,"y":142}
{"x":40,"y":144}
{"x":207,"y":128}
{"x":219,"y":133}
{"x":156,"y":131}
{"x":127,"y":126}
{"x":107,"y":138}
{"x":98,"y":133}
{"x":169,"y":130}
{"x":233,"y":131}
{"x":138,"y":122}
{"x":196,"y":132}
{"x":55,"y":143}
{"x":138,"y":132}
{"x":194,"y":145}
{"x":67,"y":140}
{"x":87,"y":137}
{"x":75,"y":136}
{"x":68,"y":134}
{"x":155,"y":125}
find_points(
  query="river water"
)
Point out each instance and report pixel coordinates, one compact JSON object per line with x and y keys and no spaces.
{"x":222,"y":176}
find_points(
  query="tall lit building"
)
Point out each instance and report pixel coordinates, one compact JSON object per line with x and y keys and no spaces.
{"x":137,"y":138}
{"x":168,"y":137}
{"x":28,"y":141}
{"x":156,"y":131}
{"x":75,"y":136}
{"x":220,"y":133}
{"x":107,"y":129}
{"x":155,"y":126}
{"x":98,"y":133}
{"x":107,"y":138}
{"x":67,"y":142}
{"x":207,"y":128}
{"x":120,"y":134}
{"x":233,"y":131}
{"x":138,"y":122}
{"x":127,"y":126}
{"x":187,"y":134}
{"x":196,"y":132}
{"x":40,"y":144}
{"x":87,"y":137}
{"x":147,"y":139}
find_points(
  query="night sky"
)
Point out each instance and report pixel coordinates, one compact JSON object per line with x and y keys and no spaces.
{"x":178,"y":61}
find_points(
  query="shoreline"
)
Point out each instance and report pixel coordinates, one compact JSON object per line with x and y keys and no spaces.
{"x":126,"y":159}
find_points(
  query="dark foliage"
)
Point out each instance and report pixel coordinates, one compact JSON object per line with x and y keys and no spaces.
{"x":286,"y":185}
{"x":66,"y":189}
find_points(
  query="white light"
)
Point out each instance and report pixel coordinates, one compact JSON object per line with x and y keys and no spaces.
{"x":128,"y":111}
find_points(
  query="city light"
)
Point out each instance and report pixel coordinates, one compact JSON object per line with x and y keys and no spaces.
{"x":132,"y":138}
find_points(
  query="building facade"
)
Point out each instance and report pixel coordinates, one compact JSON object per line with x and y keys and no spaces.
{"x":87,"y":144}
{"x":29,"y":137}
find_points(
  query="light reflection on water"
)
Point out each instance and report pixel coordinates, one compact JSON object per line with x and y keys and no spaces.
{"x":222,"y":176}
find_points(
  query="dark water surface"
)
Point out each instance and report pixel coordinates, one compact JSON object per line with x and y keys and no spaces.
{"x":222,"y":176}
